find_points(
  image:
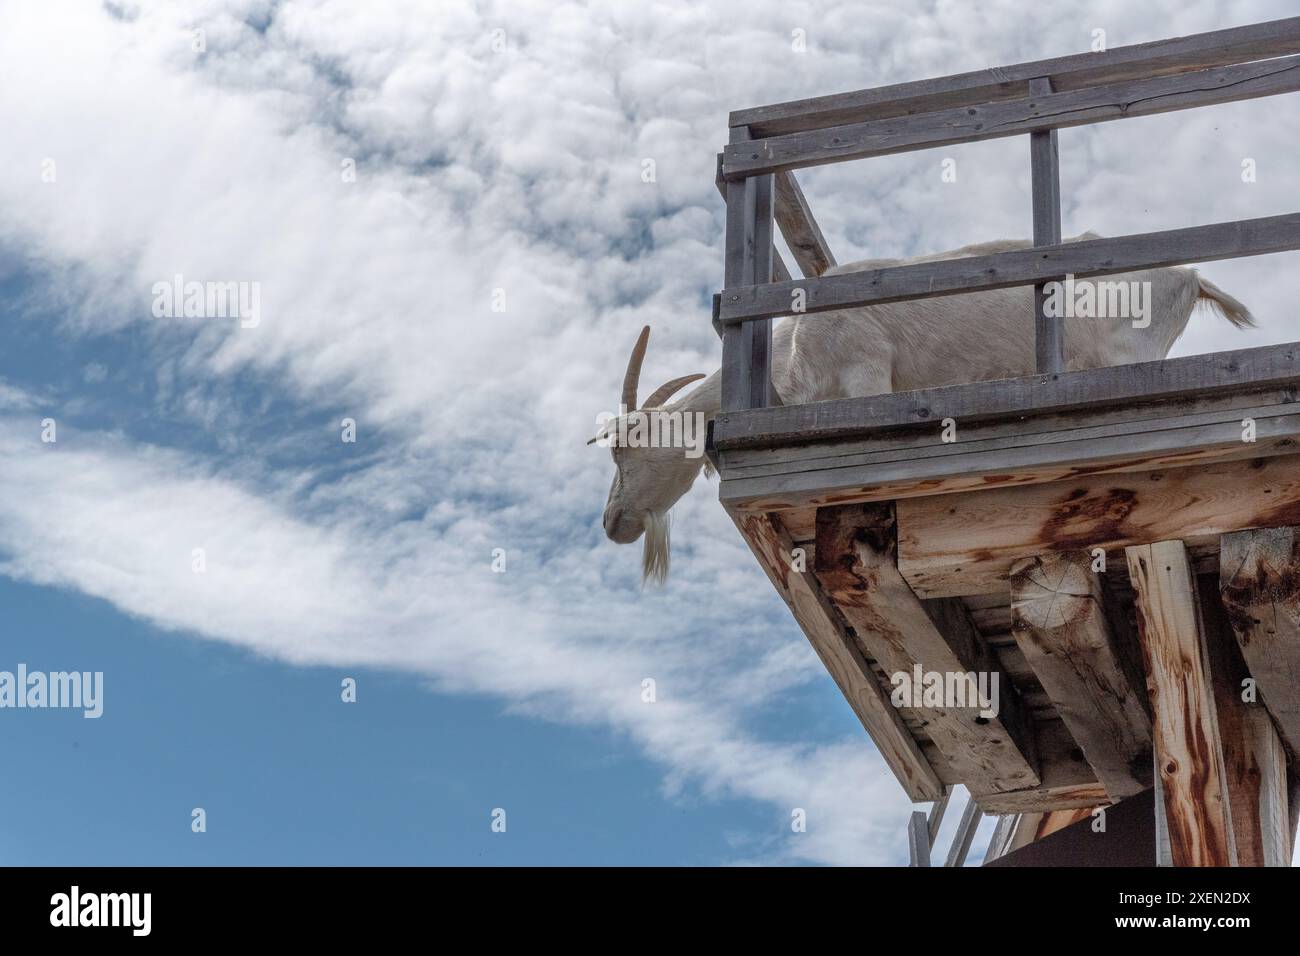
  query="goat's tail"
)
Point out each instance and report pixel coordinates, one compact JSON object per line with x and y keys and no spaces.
{"x":1222,"y":304}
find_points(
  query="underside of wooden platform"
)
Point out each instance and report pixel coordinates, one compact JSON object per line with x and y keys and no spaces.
{"x":1113,"y":546}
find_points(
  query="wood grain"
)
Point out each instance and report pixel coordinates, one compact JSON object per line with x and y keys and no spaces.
{"x":1188,"y":750}
{"x":966,"y":543}
{"x":855,"y":564}
{"x":841,"y":656}
{"x":1061,"y":625}
{"x":1076,"y":71}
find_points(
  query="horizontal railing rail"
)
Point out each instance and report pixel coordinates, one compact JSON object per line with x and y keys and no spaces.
{"x":756,"y":178}
{"x":1256,"y":41}
{"x":1002,"y":270}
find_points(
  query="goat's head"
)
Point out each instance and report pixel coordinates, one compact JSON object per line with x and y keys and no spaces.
{"x":657,"y":454}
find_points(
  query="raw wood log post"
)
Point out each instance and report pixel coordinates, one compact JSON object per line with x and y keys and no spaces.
{"x":1254,"y":757}
{"x":1259,"y":578}
{"x":1189,"y":752}
{"x":1059,"y":621}
{"x":1045,"y":176}
{"x":840,"y":655}
{"x":855,"y":563}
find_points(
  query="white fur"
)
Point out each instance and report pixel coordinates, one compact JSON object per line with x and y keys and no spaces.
{"x":901,"y":346}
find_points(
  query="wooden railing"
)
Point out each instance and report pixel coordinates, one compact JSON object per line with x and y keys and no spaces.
{"x":755,"y":175}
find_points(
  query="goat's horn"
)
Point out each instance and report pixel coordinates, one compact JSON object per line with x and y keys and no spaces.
{"x":633,"y":376}
{"x":665,"y":391}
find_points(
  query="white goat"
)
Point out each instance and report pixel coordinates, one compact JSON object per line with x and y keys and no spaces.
{"x":893,"y":347}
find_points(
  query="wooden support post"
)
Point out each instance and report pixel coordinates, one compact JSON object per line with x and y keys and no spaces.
{"x":855,"y":563}
{"x":746,"y":352}
{"x":1001,"y":839}
{"x":780,"y":271}
{"x":1260,"y":580}
{"x":840,"y":654}
{"x":1189,"y":752}
{"x":1060,"y":623}
{"x":1254,"y":757}
{"x":1045,"y":184}
{"x":918,"y":840}
{"x":937,"y":810}
{"x":961,"y":841}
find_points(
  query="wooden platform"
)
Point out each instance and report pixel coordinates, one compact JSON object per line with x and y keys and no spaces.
{"x":1114,"y":545}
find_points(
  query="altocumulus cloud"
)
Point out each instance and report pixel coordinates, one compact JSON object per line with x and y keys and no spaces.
{"x":491,"y":160}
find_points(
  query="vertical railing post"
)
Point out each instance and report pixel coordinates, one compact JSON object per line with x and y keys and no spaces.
{"x":747,"y":348}
{"x":1045,"y":184}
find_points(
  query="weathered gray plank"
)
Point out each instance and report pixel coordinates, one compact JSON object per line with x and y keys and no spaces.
{"x":1066,"y":430}
{"x":1168,"y":442}
{"x":799,"y":226}
{"x":1045,"y":186}
{"x":780,"y":271}
{"x":1002,"y":835}
{"x":918,"y":842}
{"x":961,"y":840}
{"x":841,"y":656}
{"x":746,"y":353}
{"x":1270,"y":366}
{"x":926,"y":440}
{"x":1061,"y":625}
{"x":854,"y":563}
{"x":1185,"y":731}
{"x":1175,"y":55}
{"x":760,"y":346}
{"x":967,"y":124}
{"x":935,"y":818}
{"x":1084,"y":259}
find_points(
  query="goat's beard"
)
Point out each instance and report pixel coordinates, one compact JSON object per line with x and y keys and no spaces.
{"x":654,"y":557}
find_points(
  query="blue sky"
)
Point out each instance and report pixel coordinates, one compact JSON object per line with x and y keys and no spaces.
{"x":497,"y":147}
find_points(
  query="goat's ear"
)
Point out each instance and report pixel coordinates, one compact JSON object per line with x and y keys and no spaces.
{"x":593,"y":439}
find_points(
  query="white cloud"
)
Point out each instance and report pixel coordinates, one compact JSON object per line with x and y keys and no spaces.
{"x":517,"y":170}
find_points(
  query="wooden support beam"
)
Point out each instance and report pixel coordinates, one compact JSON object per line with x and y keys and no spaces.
{"x":855,"y":563}
{"x":1066,"y":779}
{"x":1260,"y":582}
{"x":1029,"y":266}
{"x":937,"y":810}
{"x":1060,"y":623}
{"x":918,"y":840}
{"x":1026,"y":831}
{"x":969,"y":124}
{"x":1254,"y":758}
{"x":802,"y":234}
{"x":840,"y":654}
{"x":961,"y":841}
{"x":1188,"y":749}
{"x":1045,"y":186}
{"x":1002,"y":834}
{"x":1134,"y":62}
{"x":966,"y":543}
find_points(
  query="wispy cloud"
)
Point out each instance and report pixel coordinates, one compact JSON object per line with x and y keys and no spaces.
{"x":495,"y":147}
